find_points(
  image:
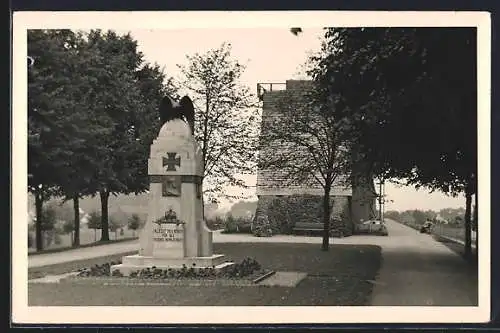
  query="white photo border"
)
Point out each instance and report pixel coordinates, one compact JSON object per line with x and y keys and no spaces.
{"x":24,"y":314}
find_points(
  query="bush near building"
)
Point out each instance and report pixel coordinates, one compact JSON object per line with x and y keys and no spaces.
{"x":285,"y":212}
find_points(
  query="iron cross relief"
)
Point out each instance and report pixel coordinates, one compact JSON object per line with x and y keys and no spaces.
{"x":171,"y":161}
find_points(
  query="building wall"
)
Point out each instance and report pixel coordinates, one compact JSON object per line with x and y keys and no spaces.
{"x":284,"y":212}
{"x":272,"y":182}
{"x":363,"y":200}
{"x":285,"y":205}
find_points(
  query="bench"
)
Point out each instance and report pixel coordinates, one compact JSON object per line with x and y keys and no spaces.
{"x":312,"y":227}
{"x":308,"y":227}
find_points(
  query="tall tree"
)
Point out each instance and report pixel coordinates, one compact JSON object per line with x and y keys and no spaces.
{"x":225,"y":117}
{"x":93,"y":114}
{"x":153,"y":85}
{"x":304,"y":148}
{"x":94,"y":222}
{"x":49,"y":90}
{"x":419,"y":126}
{"x":115,"y":101}
{"x":115,"y":225}
{"x":83,"y":127}
{"x":126,"y":96}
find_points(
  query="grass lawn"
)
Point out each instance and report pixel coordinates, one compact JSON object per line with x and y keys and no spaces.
{"x":338,"y":277}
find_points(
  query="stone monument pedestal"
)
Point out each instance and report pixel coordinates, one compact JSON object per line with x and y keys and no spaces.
{"x":175,"y":233}
{"x":137,"y":262}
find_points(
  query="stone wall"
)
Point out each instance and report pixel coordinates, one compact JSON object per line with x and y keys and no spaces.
{"x":363,"y":201}
{"x":283,"y":212}
{"x":276,"y":182}
{"x":282,"y":206}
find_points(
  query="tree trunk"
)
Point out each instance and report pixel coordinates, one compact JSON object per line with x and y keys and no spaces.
{"x":38,"y":224}
{"x":380,"y":201}
{"x":468,"y":204}
{"x":104,"y":215}
{"x":326,"y":219}
{"x":76,"y":210}
{"x":476,"y":214}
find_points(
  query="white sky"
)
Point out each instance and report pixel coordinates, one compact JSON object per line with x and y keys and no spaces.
{"x":271,"y":55}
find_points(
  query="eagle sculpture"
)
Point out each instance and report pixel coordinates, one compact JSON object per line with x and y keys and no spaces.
{"x":184,"y":109}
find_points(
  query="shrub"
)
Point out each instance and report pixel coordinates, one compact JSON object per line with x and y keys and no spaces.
{"x":261,"y":227}
{"x":244,"y":225}
{"x":98,"y":270}
{"x":115,"y":225}
{"x":420,"y":217}
{"x":48,"y":237}
{"x":215,"y":223}
{"x":48,"y":218}
{"x":340,"y":224}
{"x":94,"y":221}
{"x":57,"y":239}
{"x":284,"y":212}
{"x":279,"y":214}
{"x":237,"y":225}
{"x":68,"y":226}
{"x":263,"y":230}
{"x":134,"y":222}
{"x":245,"y":268}
{"x":230,"y":224}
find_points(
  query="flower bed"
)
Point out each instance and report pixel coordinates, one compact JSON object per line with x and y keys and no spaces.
{"x":248,"y":269}
{"x":335,"y":278}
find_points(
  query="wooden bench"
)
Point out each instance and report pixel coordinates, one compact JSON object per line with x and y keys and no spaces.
{"x":308,"y":227}
{"x":314,"y":227}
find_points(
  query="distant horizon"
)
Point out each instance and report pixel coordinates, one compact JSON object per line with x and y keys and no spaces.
{"x":225,"y":206}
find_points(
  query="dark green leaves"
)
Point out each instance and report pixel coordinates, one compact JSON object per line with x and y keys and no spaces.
{"x":92,"y":108}
{"x":409,"y":95}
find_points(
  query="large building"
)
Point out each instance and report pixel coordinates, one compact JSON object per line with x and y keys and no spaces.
{"x":287,"y":205}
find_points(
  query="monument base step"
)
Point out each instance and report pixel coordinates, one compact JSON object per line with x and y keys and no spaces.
{"x":135,"y":263}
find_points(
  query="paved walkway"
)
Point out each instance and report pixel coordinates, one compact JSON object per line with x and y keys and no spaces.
{"x":129,"y":246}
{"x":416,"y":269}
{"x":39,"y":260}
